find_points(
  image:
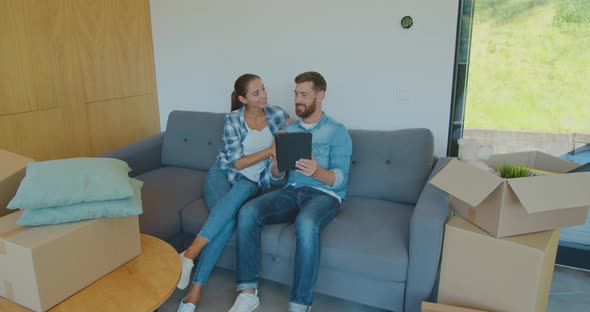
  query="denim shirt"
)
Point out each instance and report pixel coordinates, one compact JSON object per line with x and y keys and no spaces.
{"x":235,"y":132}
{"x":331,"y":148}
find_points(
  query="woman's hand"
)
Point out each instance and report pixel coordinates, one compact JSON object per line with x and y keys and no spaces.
{"x":274,"y":169}
{"x":289,"y":121}
{"x":273,"y":157}
{"x":273,"y":147}
{"x":272,"y":150}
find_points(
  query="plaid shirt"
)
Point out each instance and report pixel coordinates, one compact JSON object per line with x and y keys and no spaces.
{"x":234,"y":133}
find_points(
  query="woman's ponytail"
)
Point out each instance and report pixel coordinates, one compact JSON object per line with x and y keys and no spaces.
{"x":235,"y":102}
{"x":241,"y":88}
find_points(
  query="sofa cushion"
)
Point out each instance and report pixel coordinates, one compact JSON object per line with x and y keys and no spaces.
{"x":165,"y":192}
{"x":192,"y":139}
{"x":368,"y":236}
{"x":194,"y":217}
{"x":390,"y":165}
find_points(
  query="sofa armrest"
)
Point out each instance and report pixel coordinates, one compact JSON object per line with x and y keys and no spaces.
{"x":142,"y":156}
{"x":426,"y":236}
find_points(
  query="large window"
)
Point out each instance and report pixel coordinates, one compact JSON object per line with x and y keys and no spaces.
{"x":522,"y":81}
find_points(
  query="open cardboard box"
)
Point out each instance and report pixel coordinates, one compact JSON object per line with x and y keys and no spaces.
{"x":507,"y":207}
{"x":496,"y":274}
{"x":12,"y":171}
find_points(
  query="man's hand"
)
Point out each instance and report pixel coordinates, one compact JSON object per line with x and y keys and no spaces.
{"x":307,"y":167}
{"x":310,"y":168}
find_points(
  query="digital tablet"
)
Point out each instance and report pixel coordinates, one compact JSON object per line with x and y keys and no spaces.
{"x":292,"y":146}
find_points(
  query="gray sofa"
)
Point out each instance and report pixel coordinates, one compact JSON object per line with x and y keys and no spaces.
{"x":383,"y":247}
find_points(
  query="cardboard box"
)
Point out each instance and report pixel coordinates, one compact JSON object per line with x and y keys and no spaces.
{"x":41,"y":266}
{"x":437,"y":307}
{"x":487,"y":273}
{"x":12,"y":171}
{"x":506,"y":207}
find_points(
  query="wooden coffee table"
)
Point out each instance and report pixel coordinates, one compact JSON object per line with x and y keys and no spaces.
{"x":141,"y":284}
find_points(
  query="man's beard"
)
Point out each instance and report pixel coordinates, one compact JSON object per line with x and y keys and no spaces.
{"x":308,"y":110}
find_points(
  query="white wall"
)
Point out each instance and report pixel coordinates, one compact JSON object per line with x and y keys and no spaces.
{"x":379,"y":75}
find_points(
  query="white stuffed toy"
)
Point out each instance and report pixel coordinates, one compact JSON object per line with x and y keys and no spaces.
{"x":473,"y":153}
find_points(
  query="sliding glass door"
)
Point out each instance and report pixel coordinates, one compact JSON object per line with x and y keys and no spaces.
{"x":522,"y":83}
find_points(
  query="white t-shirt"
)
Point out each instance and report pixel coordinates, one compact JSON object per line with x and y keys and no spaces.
{"x":307,"y":126}
{"x":256,"y":141}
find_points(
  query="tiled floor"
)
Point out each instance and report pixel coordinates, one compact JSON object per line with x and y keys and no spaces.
{"x":570,"y":292}
{"x":577,"y":234}
{"x":220,"y":293}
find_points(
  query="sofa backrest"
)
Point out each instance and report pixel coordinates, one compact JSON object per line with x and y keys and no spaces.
{"x":390,"y":165}
{"x":192,"y":139}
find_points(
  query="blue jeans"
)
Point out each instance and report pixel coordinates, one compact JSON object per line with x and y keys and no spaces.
{"x":223,"y":201}
{"x":311,"y":209}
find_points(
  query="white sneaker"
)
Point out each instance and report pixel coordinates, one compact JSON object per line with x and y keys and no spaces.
{"x":185,"y":274}
{"x":246,"y":302}
{"x":296,"y":307}
{"x":186,"y":307}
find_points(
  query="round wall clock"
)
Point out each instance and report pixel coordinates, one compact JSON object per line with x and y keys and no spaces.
{"x":407,"y":22}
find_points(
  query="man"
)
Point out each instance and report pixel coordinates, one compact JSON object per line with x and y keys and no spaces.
{"x":311,"y":199}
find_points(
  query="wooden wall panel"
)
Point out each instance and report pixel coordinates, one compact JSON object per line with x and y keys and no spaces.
{"x":151,"y":68}
{"x":115,"y":48}
{"x":28,"y":65}
{"x":116,"y":123}
{"x":71,"y":95}
{"x":77,"y":78}
{"x":38,"y":135}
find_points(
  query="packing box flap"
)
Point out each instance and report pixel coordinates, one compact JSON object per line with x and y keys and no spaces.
{"x":8,"y":225}
{"x":534,"y":160}
{"x":437,"y":307}
{"x":457,"y":178}
{"x":538,"y":240}
{"x":548,"y":193}
{"x":12,"y":171}
{"x":34,"y":236}
{"x":550,"y":163}
{"x":11,"y":163}
{"x":460,"y":223}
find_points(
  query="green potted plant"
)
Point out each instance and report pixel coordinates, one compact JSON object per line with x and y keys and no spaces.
{"x":510,"y":171}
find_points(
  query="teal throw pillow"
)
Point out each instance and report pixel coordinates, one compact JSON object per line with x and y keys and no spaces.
{"x":130,"y":206}
{"x":72,"y":181}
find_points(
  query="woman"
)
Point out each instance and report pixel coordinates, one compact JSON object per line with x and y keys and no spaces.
{"x":241,"y":169}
